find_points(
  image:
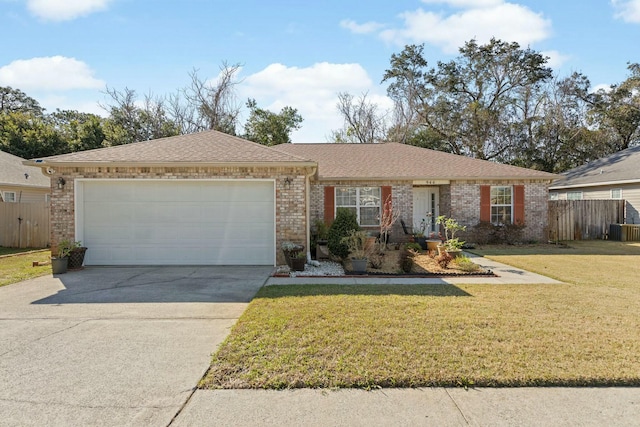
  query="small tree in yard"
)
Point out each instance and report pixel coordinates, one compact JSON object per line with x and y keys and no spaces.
{"x":346,"y":221}
{"x":388,"y":218}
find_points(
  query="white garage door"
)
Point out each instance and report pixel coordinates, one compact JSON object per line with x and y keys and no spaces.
{"x":186,"y":222}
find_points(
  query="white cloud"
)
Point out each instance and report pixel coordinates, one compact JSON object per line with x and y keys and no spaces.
{"x":366,"y":28}
{"x":55,"y":73}
{"x":312,"y":91}
{"x":627,"y":10}
{"x":479,"y":20}
{"x":64,"y":10}
{"x":556,"y":59}
{"x":466,"y":3}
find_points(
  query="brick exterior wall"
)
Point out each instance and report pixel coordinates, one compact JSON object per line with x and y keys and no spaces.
{"x":401,"y":200}
{"x":464,"y":205}
{"x":290,"y":198}
{"x":459,"y":200}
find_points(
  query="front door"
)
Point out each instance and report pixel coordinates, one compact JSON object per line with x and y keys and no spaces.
{"x":425,"y":209}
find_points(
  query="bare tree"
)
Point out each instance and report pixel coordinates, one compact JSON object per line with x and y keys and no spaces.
{"x":363,"y":123}
{"x":205,"y":105}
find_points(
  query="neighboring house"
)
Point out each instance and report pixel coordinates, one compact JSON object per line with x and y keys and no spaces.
{"x":21,"y":183}
{"x":613,"y":177}
{"x":212,"y":198}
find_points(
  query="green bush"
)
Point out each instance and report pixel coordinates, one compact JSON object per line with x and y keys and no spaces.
{"x":345,"y":222}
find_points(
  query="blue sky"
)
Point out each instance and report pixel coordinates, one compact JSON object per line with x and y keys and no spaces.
{"x":297,"y":53}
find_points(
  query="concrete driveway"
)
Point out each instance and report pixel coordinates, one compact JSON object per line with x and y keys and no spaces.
{"x":114,"y":346}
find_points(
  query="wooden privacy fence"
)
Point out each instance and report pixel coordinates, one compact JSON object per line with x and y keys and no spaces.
{"x":24,"y":225}
{"x":583,"y":219}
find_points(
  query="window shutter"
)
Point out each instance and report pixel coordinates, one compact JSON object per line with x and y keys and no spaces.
{"x":329,"y":204}
{"x":385,"y":193}
{"x":518,"y":204}
{"x":485,"y":203}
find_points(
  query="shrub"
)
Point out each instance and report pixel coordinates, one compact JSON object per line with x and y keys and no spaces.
{"x":413,"y":247}
{"x":444,"y":259}
{"x":464,"y":263}
{"x":345,"y":222}
{"x":487,"y":233}
{"x":405,"y":261}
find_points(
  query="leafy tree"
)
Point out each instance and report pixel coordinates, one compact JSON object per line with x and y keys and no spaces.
{"x":14,"y":100}
{"x":128,"y":122}
{"x":28,"y":136}
{"x":363,"y":123}
{"x":268,"y":128}
{"x":618,"y":110}
{"x":81,"y":131}
{"x":468,"y":102}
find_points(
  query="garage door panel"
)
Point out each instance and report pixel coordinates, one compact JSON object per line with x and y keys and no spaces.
{"x":178,"y":222}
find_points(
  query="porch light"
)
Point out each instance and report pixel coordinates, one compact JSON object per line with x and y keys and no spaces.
{"x":61,"y":183}
{"x":287,"y":183}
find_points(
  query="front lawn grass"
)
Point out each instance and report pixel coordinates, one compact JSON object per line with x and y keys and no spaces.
{"x":583,"y":332}
{"x":19,"y":267}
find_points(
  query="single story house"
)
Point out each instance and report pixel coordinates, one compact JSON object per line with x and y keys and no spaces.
{"x":22,"y":183}
{"x":613,"y":177}
{"x":212,"y":198}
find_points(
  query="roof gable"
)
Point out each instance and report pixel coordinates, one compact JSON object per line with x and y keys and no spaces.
{"x":208,"y":147}
{"x":402,"y":161}
{"x":622,"y":166}
{"x":14,"y":172}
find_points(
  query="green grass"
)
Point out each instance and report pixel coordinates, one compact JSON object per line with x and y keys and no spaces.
{"x":20,"y":266}
{"x":583,"y":332}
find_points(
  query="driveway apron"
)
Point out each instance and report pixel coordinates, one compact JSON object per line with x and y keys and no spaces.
{"x":114,"y":346}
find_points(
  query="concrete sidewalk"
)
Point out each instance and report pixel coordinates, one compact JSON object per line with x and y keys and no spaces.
{"x":415,"y":407}
{"x":506,"y":275}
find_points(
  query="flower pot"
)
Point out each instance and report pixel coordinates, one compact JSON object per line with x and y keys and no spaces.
{"x":59,"y":265}
{"x":76,"y":258}
{"x":441,"y":248}
{"x":432,"y":244}
{"x":359,"y":265}
{"x":455,"y":253}
{"x":297,"y":264}
{"x":422,"y":241}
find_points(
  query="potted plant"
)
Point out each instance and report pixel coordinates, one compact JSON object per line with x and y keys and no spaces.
{"x":298,"y":261}
{"x":432,"y":242}
{"x":356,"y":241}
{"x":418,"y":235}
{"x":452,"y":244}
{"x":76,"y":256}
{"x":59,"y":262}
{"x":291,"y":250}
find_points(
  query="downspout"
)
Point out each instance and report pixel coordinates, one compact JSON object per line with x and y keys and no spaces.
{"x":307,"y":183}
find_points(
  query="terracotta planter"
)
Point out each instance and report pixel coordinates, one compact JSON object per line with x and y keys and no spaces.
{"x":432,"y":244}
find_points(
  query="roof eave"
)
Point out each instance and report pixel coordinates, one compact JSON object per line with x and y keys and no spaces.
{"x":595,"y":184}
{"x":77,"y":164}
{"x":423,"y":178}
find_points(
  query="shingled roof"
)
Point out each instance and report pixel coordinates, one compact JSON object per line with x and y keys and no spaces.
{"x":400,"y":161}
{"x":623,"y":166}
{"x":14,"y":172}
{"x":208,"y":147}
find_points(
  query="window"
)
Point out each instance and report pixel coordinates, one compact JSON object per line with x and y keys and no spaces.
{"x":9,"y":196}
{"x":553,"y":196}
{"x":574,"y":195}
{"x":616,"y":193}
{"x":364,"y":201}
{"x":501,"y":205}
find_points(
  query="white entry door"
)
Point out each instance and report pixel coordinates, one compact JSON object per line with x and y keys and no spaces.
{"x":179,"y":222}
{"x":425,"y":208}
